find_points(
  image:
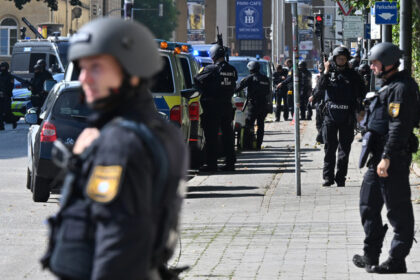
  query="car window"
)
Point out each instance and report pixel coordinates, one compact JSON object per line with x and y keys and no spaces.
{"x":63,"y":48}
{"x":186,"y":70}
{"x":163,"y":81}
{"x":69,"y":105}
{"x":49,"y":100}
{"x":20,"y":63}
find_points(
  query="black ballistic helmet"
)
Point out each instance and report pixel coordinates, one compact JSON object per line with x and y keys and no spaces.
{"x":387,"y":53}
{"x":129,"y":42}
{"x":341,"y":51}
{"x":302,"y":64}
{"x":253,"y":66}
{"x":41,"y":62}
{"x":216,"y":52}
{"x":4,"y":65}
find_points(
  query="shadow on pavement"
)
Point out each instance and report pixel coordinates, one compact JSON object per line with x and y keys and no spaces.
{"x":218,"y":188}
{"x":221,"y":195}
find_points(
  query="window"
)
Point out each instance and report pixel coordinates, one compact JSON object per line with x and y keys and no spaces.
{"x":163,"y":81}
{"x":8,"y":36}
{"x":187,"y":73}
{"x":69,"y":105}
{"x":251,"y":45}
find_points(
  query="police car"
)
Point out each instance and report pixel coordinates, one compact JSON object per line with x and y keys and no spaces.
{"x":175,"y":96}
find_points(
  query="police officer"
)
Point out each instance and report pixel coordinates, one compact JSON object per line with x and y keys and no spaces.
{"x":286,"y":90}
{"x":278,"y":77}
{"x":342,"y":90}
{"x":393,"y":113}
{"x":217,"y":83}
{"x":364,"y":71}
{"x":116,"y":209}
{"x":305,"y":88}
{"x":258,"y":94}
{"x":6,"y":89}
{"x":41,"y":74}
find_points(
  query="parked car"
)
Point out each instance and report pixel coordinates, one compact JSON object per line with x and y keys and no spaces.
{"x":63,"y":117}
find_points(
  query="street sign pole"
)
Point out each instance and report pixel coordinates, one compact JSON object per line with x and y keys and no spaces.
{"x":296,"y":95}
{"x":406,"y":31}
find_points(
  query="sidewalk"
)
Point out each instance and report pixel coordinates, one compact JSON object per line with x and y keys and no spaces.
{"x":251,"y":225}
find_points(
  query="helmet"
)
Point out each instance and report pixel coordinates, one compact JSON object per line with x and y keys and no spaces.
{"x":38,"y":67}
{"x":253,"y":66}
{"x":387,"y":53}
{"x":302,"y":64}
{"x":341,"y":51}
{"x":4,"y":64}
{"x":216,"y":52}
{"x":364,"y":68}
{"x":129,"y":42}
{"x":41,"y":62}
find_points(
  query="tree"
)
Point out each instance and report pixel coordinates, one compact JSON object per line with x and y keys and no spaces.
{"x":52,"y":4}
{"x":162,"y":27}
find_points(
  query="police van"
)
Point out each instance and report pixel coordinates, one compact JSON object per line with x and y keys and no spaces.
{"x":24,"y":57}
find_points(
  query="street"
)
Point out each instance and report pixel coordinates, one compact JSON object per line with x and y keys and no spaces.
{"x":248,"y":224}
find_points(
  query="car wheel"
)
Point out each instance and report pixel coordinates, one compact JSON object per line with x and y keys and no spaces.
{"x":28,"y":179}
{"x":40,"y":188}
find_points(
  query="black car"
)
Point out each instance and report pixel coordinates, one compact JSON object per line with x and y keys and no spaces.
{"x":63,"y":116}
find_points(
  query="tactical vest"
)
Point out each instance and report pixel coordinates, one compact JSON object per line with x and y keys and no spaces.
{"x":339,"y":99}
{"x":377,"y":116}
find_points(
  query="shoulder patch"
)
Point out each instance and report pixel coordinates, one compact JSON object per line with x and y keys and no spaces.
{"x":104,"y":183}
{"x":201,"y":70}
{"x":394,"y":109}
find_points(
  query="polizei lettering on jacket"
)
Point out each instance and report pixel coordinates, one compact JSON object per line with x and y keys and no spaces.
{"x":339,"y":107}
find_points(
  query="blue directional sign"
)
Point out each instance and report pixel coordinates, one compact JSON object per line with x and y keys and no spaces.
{"x":386,"y":12}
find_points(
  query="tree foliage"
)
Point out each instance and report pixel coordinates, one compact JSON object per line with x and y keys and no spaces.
{"x":162,"y":27}
{"x":366,"y":4}
{"x":51,"y":4}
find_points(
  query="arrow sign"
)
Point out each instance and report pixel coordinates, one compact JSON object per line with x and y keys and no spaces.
{"x":386,"y":12}
{"x":344,"y":7}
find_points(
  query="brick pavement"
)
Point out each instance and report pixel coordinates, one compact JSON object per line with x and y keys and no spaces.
{"x":251,"y":225}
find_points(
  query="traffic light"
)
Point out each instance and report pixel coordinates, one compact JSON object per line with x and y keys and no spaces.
{"x":319,"y":23}
{"x":22,"y":32}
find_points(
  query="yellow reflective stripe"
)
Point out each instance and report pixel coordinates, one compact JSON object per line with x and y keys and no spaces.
{"x":172,"y":101}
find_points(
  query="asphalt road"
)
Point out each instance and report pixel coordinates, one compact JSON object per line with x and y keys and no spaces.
{"x":22,"y":229}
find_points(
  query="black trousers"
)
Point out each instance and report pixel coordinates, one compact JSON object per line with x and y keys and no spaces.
{"x":256,"y":113}
{"x":393,"y":191}
{"x":6,"y":114}
{"x":336,"y":136}
{"x":291,"y":103}
{"x":303,"y":106}
{"x":218,"y":117}
{"x":281,"y":96}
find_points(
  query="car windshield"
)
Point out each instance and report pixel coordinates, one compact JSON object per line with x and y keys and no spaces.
{"x":63,"y":48}
{"x":69,"y":105}
{"x":240,"y":66}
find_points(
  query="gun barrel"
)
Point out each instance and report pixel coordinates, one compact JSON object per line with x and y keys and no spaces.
{"x":32,"y":28}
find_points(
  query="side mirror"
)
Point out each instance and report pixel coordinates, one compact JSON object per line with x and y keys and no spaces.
{"x":31,"y":118}
{"x":49,"y":84}
{"x":190,"y":93}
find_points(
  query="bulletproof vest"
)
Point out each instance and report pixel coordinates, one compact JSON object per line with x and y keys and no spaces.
{"x":339,"y":98}
{"x":377,"y":115}
{"x":226,"y":81}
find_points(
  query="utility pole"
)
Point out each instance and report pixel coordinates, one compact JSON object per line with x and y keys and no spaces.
{"x":406,"y":31}
{"x":386,"y":33}
{"x":296,"y":94}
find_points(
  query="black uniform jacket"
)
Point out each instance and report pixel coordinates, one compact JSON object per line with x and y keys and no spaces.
{"x":217,"y":82}
{"x":278,"y":76}
{"x":258,"y":88}
{"x":400,"y":95}
{"x":117,"y":178}
{"x":342,"y":86}
{"x":6,"y":84}
{"x":37,"y":82}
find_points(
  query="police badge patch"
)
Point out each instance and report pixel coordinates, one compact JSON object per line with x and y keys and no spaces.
{"x":394,"y":109}
{"x":104,"y":183}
